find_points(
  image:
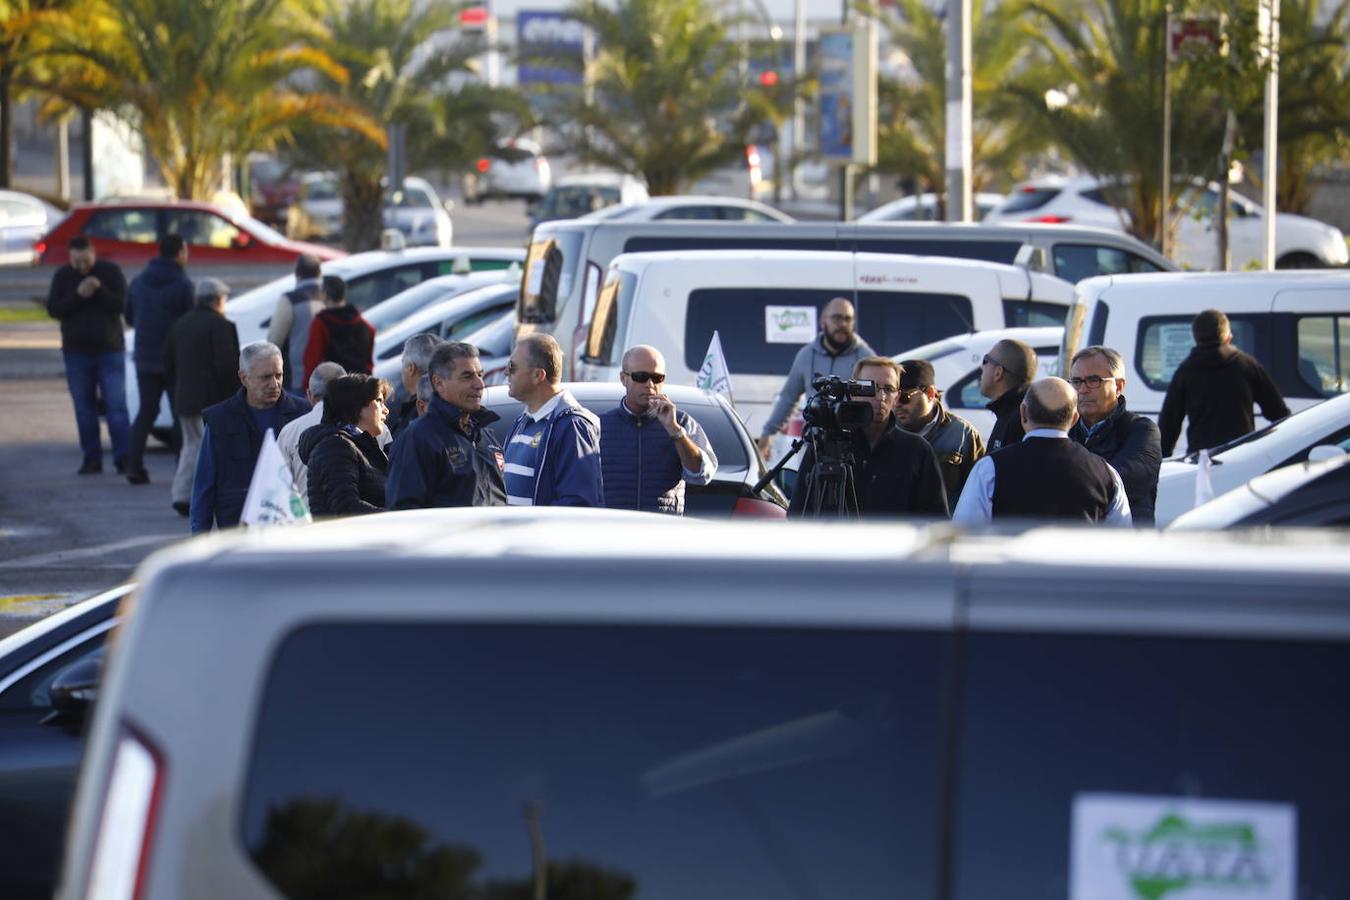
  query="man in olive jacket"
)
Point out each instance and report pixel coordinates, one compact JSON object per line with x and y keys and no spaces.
{"x":919,"y":410}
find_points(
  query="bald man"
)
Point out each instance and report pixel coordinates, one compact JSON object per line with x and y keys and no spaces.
{"x":1045,"y":475}
{"x":837,"y":350}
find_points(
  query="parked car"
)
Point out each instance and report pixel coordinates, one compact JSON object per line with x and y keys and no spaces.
{"x":691,"y":206}
{"x":389,"y":313}
{"x":1312,"y":493}
{"x":272,"y":186}
{"x":400,"y":703}
{"x":1314,"y":433}
{"x":24,"y":219}
{"x":517,"y":168}
{"x":924,"y":208}
{"x":43,"y":670}
{"x":127,"y":232}
{"x":450,"y":319}
{"x":1296,"y":323}
{"x":1300,"y":242}
{"x":576,"y":195}
{"x":415,"y":209}
{"x":765,"y":304}
{"x":568,"y":260}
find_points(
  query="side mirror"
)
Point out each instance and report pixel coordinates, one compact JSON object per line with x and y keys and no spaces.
{"x":1323,"y":452}
{"x":74,"y":690}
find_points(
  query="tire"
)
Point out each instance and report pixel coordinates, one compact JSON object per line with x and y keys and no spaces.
{"x":1298,"y":260}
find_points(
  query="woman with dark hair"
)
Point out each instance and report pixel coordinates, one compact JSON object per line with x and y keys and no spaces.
{"x":346,"y":464}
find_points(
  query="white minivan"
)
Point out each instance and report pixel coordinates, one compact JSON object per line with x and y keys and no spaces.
{"x":764,"y":305}
{"x":1296,"y":323}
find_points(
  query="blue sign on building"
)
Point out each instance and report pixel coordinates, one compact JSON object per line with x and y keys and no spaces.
{"x":551,"y":47}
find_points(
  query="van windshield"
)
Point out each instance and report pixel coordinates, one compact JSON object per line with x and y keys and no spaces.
{"x":610,"y":322}
{"x":551,"y":266}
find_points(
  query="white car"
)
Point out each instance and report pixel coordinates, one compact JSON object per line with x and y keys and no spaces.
{"x":706,"y":207}
{"x":517,"y":169}
{"x":576,"y":195}
{"x":1284,"y":443}
{"x":415,"y":210}
{"x":1300,"y":242}
{"x":386,"y":315}
{"x":1315,"y":493}
{"x":924,"y":208}
{"x":454,"y":319}
{"x":24,"y":219}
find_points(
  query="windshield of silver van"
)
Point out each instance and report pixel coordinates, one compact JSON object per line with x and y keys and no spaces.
{"x":551,"y":266}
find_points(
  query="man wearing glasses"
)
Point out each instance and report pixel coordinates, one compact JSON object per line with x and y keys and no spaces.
{"x":835,"y":352}
{"x":1005,"y":372}
{"x":650,"y":450}
{"x":1128,"y":441}
{"x":553,"y":450}
{"x":919,"y":410}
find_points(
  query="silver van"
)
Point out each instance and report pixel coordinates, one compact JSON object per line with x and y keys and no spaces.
{"x":567,"y":260}
{"x":574,"y":703}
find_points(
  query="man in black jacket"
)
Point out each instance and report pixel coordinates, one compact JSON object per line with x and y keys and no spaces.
{"x":1215,"y":387}
{"x":1005,"y":372}
{"x":88,"y":296}
{"x":1128,"y":441}
{"x":895,"y":472}
{"x":155,"y":300}
{"x":201,"y":368}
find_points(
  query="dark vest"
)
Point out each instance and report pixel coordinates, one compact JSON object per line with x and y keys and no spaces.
{"x":1051,"y":478}
{"x":639,"y":463}
{"x":237,"y":443}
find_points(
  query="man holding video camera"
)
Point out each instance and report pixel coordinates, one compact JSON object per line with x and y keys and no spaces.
{"x":893,"y":472}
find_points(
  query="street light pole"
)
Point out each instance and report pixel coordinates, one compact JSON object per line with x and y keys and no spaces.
{"x":1163,"y":232}
{"x":1270,"y":42}
{"x":959,"y":118}
{"x":798,"y":107}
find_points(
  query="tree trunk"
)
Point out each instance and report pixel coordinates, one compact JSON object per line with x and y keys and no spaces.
{"x":6,"y":126}
{"x":362,"y":210}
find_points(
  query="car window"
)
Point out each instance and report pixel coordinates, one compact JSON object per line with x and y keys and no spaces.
{"x":364,"y":291}
{"x":325,"y":189}
{"x":643,"y":761}
{"x":551,"y":265}
{"x":988,"y":250}
{"x":690,"y":212}
{"x":1269,"y":727}
{"x":745,"y":214}
{"x":1074,"y":262}
{"x":610,"y":322}
{"x":1163,"y":342}
{"x":135,"y":226}
{"x":200,"y":229}
{"x":1033,"y":314}
{"x":1028,"y":198}
{"x":965,"y":393}
{"x":33,"y":691}
{"x":890,"y":321}
{"x":1324,"y":353}
{"x":474,"y":321}
{"x":648,"y":244}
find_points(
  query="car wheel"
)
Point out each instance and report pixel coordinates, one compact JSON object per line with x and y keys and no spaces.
{"x":1298,"y":261}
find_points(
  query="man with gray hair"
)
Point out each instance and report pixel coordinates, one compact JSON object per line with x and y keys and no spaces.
{"x":416,"y":362}
{"x":1128,"y":441}
{"x":233,"y":437}
{"x":553,"y":450}
{"x":289,"y":438}
{"x":448,"y":457}
{"x":201,"y":368}
{"x":1045,"y":475}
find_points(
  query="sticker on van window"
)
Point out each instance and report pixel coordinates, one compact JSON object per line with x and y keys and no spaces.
{"x":1132,"y":847}
{"x":789,"y":324}
{"x":1174,"y":345}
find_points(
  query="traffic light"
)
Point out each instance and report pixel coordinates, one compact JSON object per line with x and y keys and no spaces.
{"x":768,"y":78}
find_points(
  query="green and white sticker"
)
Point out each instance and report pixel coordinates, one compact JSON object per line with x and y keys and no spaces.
{"x":1132,"y":847}
{"x":789,"y":324}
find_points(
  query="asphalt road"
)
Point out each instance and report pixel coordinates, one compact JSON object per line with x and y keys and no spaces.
{"x":65,"y":537}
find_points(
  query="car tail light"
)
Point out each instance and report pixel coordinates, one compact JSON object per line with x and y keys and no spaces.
{"x":483,"y":164}
{"x":40,"y":248}
{"x":1051,"y":220}
{"x":126,"y":822}
{"x":753,"y":508}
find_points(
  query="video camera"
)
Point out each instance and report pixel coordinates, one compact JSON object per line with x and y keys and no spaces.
{"x":831,"y":410}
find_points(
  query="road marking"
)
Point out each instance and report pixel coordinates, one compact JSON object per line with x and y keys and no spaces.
{"x":61,"y":557}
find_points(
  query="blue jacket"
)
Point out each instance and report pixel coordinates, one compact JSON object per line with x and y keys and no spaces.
{"x":434,"y":463}
{"x":155,"y":300}
{"x":568,"y":471}
{"x":642,"y":467}
{"x":230,"y":449}
{"x":1131,"y":444}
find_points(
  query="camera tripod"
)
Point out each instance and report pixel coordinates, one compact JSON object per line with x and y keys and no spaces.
{"x":831,"y":488}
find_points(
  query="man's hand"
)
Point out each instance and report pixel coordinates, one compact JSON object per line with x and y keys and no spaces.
{"x":88,"y":286}
{"x":664,"y":408}
{"x":765,"y":446}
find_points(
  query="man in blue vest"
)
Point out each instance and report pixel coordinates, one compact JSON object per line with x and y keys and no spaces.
{"x":649,"y":449}
{"x":233,"y":436}
{"x":553,"y":451}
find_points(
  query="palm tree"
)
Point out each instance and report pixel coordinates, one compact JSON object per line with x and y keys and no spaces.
{"x":24,"y":28}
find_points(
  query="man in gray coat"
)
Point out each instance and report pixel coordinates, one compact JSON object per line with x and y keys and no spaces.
{"x":834,"y":352}
{"x":291,"y":319}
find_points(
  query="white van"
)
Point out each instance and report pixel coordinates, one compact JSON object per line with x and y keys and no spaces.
{"x":764,"y":305}
{"x":1297,"y":323}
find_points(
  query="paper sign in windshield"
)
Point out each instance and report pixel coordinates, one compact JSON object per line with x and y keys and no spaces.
{"x":1131,"y":847}
{"x":1175,"y":343}
{"x":789,"y":324}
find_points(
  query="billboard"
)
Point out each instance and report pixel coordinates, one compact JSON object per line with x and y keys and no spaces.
{"x":848,"y":94}
{"x":551,"y":47}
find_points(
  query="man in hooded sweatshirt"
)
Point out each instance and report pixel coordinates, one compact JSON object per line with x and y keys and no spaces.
{"x":339,"y":333}
{"x":155,"y":300}
{"x":1214,"y":388}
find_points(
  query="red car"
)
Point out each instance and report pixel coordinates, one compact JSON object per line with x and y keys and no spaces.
{"x":127,"y":232}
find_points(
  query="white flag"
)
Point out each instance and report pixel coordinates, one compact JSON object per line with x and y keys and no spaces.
{"x":272,"y":497}
{"x":713,"y":375}
{"x":1204,"y":485}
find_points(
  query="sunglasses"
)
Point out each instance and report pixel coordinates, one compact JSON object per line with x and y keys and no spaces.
{"x":644,"y":377}
{"x":909,"y":394}
{"x":1092,"y":381}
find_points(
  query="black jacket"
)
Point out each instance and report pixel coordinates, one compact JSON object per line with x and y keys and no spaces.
{"x":1129,"y":442}
{"x":346,"y":471}
{"x":201,"y":360}
{"x":1051,"y":478}
{"x":434,"y":462}
{"x":92,"y":324}
{"x":159,"y":296}
{"x":1215,"y":387}
{"x":897,"y":477}
{"x":1008,"y":427}
{"x":236,"y":443}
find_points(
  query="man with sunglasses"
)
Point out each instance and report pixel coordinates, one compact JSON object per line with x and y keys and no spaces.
{"x":553,"y":450}
{"x":649,"y":449}
{"x":1005,"y":373}
{"x":1128,"y":441}
{"x":919,"y":410}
